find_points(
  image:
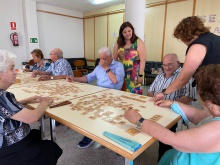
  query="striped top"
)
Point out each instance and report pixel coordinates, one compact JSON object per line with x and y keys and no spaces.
{"x":161,"y":82}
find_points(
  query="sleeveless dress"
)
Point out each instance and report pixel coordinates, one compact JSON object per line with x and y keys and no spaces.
{"x":131,"y":65}
{"x":174,"y":157}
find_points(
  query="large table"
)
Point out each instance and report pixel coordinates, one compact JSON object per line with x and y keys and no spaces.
{"x":95,"y":110}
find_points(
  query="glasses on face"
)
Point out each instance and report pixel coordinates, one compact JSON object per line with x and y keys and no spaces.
{"x":168,"y":65}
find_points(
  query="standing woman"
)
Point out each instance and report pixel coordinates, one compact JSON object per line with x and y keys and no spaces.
{"x":203,"y":49}
{"x":40,"y":63}
{"x":131,"y":51}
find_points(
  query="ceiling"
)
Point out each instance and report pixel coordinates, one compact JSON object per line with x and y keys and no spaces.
{"x":79,"y":5}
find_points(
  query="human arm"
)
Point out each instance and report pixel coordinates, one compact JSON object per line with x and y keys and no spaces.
{"x":150,"y":94}
{"x":142,"y":55}
{"x":33,"y":99}
{"x":36,"y":72}
{"x":191,"y":140}
{"x":30,"y":116}
{"x":193,"y":60}
{"x":77,"y":79}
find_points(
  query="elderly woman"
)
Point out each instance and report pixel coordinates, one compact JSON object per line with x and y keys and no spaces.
{"x":18,"y":143}
{"x":40,"y":63}
{"x":199,"y":145}
{"x":203,"y":49}
{"x":131,"y":51}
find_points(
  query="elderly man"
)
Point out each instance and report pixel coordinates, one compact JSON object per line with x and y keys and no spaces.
{"x":186,"y":95}
{"x":59,"y":69}
{"x":109,"y":74}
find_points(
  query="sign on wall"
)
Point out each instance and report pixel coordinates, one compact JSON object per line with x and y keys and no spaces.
{"x":33,"y":40}
{"x":13,"y":25}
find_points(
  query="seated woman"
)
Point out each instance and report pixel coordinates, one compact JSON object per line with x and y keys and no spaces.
{"x":199,"y":145}
{"x":40,"y":63}
{"x":18,"y":143}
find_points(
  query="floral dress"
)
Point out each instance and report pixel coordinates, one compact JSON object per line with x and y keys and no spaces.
{"x":131,"y":65}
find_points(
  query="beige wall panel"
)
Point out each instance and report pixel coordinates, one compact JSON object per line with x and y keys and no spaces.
{"x":175,"y":13}
{"x":153,"y":1}
{"x":100,"y":33}
{"x":154,"y":22}
{"x":105,"y":10}
{"x":89,"y":38}
{"x":209,"y":11}
{"x":115,"y":21}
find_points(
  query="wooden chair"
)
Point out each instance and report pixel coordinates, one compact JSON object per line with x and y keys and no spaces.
{"x":31,"y":62}
{"x":123,"y":88}
{"x":79,"y":64}
{"x":77,"y":73}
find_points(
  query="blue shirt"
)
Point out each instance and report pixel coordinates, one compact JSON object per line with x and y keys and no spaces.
{"x":103,"y":79}
{"x":43,"y":67}
{"x":60,"y":67}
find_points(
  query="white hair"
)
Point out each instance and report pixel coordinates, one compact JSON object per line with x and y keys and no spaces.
{"x":6,"y":59}
{"x":106,"y":50}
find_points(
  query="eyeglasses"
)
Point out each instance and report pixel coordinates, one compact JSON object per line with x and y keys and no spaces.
{"x":168,"y":65}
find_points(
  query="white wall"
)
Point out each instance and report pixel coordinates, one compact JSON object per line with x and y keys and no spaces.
{"x":56,"y":31}
{"x":12,"y":11}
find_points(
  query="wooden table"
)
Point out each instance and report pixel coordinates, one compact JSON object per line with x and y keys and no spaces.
{"x":95,"y":110}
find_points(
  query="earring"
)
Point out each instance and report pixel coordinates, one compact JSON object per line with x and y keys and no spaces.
{"x":209,"y":107}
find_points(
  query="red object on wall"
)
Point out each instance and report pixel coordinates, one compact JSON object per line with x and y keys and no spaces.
{"x":13,"y":25}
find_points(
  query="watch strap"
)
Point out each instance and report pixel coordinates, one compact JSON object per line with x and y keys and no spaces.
{"x":141,"y":120}
{"x":108,"y":70}
{"x":140,"y":75}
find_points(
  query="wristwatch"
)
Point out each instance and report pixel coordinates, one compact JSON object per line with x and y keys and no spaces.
{"x":140,"y":75}
{"x":108,"y":70}
{"x":51,"y":78}
{"x":140,"y":123}
{"x":163,"y":91}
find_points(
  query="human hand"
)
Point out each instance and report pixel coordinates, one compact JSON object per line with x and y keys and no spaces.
{"x":26,"y":70}
{"x":69,"y":78}
{"x":44,"y":78}
{"x":157,"y":97}
{"x":164,"y":103}
{"x":139,"y":80}
{"x":34,"y":99}
{"x":103,"y":63}
{"x":121,"y":54}
{"x":132,"y":116}
{"x":34,"y":73}
{"x":47,"y":100}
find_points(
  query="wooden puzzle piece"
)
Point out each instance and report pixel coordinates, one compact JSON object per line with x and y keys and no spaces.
{"x":156,"y":118}
{"x":133,"y":131}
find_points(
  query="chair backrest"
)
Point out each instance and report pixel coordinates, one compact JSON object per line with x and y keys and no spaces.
{"x":78,"y":63}
{"x":157,"y":65}
{"x":97,"y":62}
{"x":77,"y":73}
{"x":31,"y":62}
{"x":148,"y":66}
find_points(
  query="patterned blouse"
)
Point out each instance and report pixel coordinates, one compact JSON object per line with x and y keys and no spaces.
{"x":11,"y":131}
{"x":43,"y":67}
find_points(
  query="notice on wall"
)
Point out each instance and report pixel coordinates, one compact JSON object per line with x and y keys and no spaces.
{"x":13,"y":25}
{"x":33,"y":40}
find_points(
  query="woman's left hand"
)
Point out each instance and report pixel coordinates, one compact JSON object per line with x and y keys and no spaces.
{"x":34,"y":99}
{"x":139,"y":79}
{"x":132,"y":116}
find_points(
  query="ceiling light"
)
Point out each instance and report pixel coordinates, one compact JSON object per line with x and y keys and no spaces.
{"x":96,"y":2}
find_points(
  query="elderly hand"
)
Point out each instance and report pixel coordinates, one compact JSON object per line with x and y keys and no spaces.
{"x":132,"y":116}
{"x":139,"y":79}
{"x":69,"y":78}
{"x":157,"y":97}
{"x":34,"y":99}
{"x":164,"y":103}
{"x":103,"y":63}
{"x":44,"y":78}
{"x":48,"y":100}
{"x":26,"y":70}
{"x":34,"y":73}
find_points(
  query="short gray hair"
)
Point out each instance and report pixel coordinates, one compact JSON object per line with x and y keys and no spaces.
{"x":106,"y":50}
{"x":6,"y":59}
{"x":58,"y":52}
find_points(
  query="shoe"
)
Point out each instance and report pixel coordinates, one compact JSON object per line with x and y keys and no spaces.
{"x":85,"y":142}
